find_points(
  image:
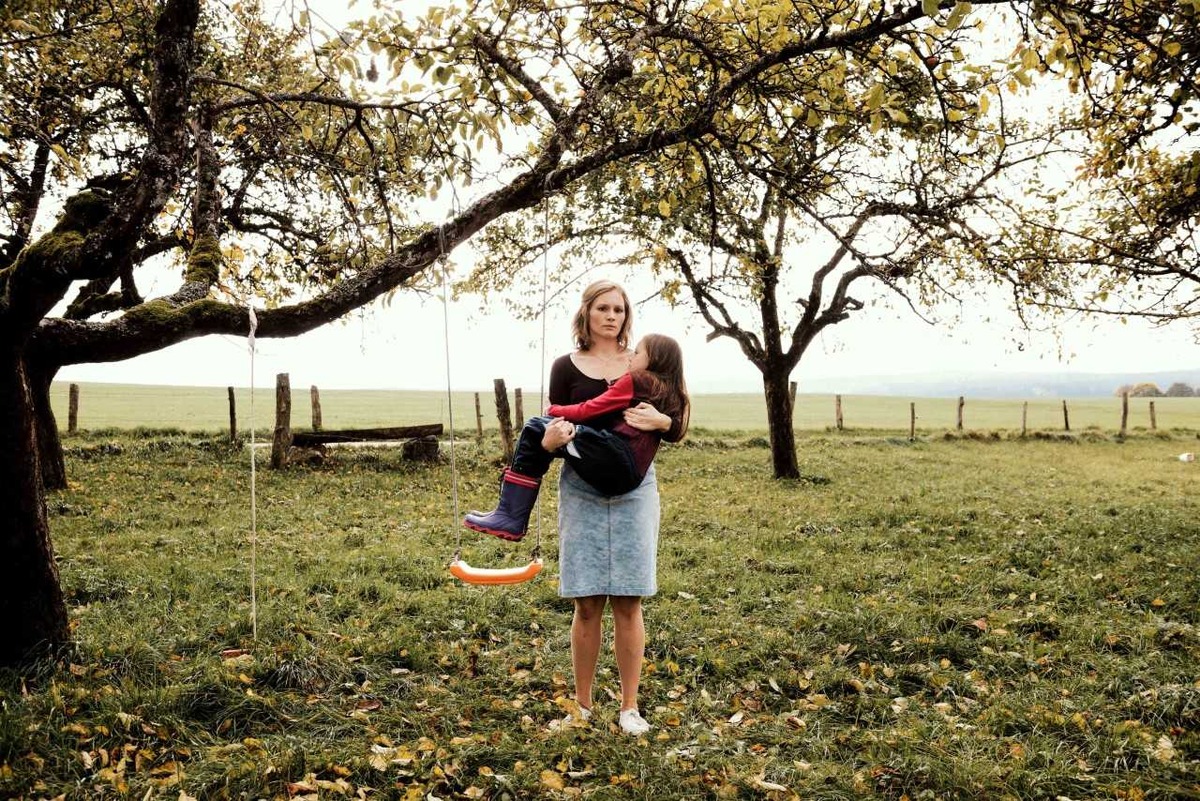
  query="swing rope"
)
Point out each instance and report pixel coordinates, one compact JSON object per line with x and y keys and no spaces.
{"x":459,"y":567}
{"x":253,"y":489}
{"x":450,"y":402}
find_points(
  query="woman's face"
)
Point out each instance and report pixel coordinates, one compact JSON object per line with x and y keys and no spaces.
{"x":606,"y":316}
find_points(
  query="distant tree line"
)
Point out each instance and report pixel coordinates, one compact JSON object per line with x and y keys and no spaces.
{"x":1149,"y":389}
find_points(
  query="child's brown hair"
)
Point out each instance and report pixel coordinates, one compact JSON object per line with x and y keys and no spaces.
{"x":664,"y":368}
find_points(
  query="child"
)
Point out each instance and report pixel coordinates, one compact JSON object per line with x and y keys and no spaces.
{"x":613,"y":459}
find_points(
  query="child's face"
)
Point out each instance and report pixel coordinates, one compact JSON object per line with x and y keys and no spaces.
{"x":640,"y":360}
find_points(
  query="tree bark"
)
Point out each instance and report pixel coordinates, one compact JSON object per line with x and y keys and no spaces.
{"x":32,"y":608}
{"x":50,"y":451}
{"x":779,"y":423}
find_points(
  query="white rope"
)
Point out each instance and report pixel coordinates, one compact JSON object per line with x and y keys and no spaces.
{"x":253,"y":490}
{"x":542,"y":388}
{"x":454,"y":520}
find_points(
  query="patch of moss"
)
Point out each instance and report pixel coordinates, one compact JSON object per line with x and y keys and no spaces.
{"x":153,"y":312}
{"x":204,"y":262}
{"x":83,"y":211}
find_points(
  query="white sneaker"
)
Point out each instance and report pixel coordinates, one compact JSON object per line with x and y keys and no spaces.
{"x":571,"y":721}
{"x":633,"y":723}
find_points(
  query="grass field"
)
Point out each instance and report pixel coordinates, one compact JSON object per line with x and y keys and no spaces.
{"x":207,"y":409}
{"x":951,"y":618}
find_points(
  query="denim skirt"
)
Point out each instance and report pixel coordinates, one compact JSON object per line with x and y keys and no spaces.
{"x":607,"y":545}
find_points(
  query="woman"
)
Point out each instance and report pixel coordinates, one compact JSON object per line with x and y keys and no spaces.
{"x":607,"y":545}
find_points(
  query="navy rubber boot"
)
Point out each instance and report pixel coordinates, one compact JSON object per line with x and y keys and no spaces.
{"x":510,"y":519}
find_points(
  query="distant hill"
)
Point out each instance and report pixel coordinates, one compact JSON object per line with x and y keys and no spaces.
{"x":997,"y":385}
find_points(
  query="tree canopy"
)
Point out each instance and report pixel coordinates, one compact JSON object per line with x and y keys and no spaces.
{"x":1127,"y":242}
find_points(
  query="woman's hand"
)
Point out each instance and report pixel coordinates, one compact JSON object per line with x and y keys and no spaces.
{"x":559,"y":432}
{"x":645,"y":417}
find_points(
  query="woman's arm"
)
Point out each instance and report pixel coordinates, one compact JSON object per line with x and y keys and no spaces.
{"x":644,"y":417}
{"x":560,"y":380}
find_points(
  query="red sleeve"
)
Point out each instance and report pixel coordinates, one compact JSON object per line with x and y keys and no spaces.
{"x":615,"y":398}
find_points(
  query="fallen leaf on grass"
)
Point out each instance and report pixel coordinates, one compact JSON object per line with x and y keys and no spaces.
{"x":1164,"y":749}
{"x":759,"y":783}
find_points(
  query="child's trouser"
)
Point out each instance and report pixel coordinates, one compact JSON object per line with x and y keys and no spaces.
{"x":600,"y":457}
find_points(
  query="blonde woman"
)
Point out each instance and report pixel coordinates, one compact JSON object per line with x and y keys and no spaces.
{"x":607,"y":545}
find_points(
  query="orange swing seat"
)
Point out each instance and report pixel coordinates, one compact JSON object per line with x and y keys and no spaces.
{"x":488,"y":576}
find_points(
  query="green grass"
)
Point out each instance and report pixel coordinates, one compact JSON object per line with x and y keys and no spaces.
{"x":130,"y":406}
{"x":956,"y":617}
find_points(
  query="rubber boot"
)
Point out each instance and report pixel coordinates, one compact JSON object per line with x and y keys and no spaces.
{"x":510,"y":519}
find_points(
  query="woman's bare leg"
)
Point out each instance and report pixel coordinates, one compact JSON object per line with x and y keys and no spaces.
{"x":629,"y":634}
{"x":586,"y":636}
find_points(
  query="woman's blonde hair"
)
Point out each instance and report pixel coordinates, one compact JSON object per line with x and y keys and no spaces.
{"x":579,"y":325}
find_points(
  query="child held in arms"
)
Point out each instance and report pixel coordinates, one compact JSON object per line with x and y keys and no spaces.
{"x":609,"y":454}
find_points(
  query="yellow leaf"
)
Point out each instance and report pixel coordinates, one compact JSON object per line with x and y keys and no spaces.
{"x":552,"y":779}
{"x":875,"y":97}
{"x":929,"y":7}
{"x":961,"y":9}
{"x":664,"y":208}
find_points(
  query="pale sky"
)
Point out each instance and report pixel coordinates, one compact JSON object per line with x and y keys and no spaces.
{"x":403,"y":347}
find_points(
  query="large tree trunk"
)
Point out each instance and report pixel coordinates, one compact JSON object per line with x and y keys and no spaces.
{"x":32,"y":609}
{"x":779,"y":422}
{"x":50,"y":451}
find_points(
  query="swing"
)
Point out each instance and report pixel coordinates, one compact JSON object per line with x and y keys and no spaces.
{"x":490,"y":576}
{"x":459,"y":567}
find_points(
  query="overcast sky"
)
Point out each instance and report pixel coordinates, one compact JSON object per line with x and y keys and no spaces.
{"x":403,"y":347}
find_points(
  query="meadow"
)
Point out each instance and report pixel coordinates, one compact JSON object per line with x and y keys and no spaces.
{"x":131,"y":406}
{"x":977,"y":616}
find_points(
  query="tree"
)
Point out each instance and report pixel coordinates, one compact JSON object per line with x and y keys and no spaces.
{"x":248,"y":164}
{"x":878,"y":165}
{"x":1179,"y":389}
{"x":1126,"y":242}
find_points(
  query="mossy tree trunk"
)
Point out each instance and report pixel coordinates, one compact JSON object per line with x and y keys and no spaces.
{"x":50,"y":450}
{"x":31,"y":599}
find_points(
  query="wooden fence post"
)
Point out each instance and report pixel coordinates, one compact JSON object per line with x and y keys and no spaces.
{"x":837,"y":411}
{"x":1153,"y":418}
{"x":1024,"y":418}
{"x":232,"y":415}
{"x":283,"y":421}
{"x":1124,"y":412}
{"x":519,"y":403}
{"x":315,"y":395}
{"x":912,"y":421}
{"x":73,"y":409}
{"x":504,"y":417}
{"x":1066,"y":418}
{"x":961,"y":401}
{"x":478,"y":419}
